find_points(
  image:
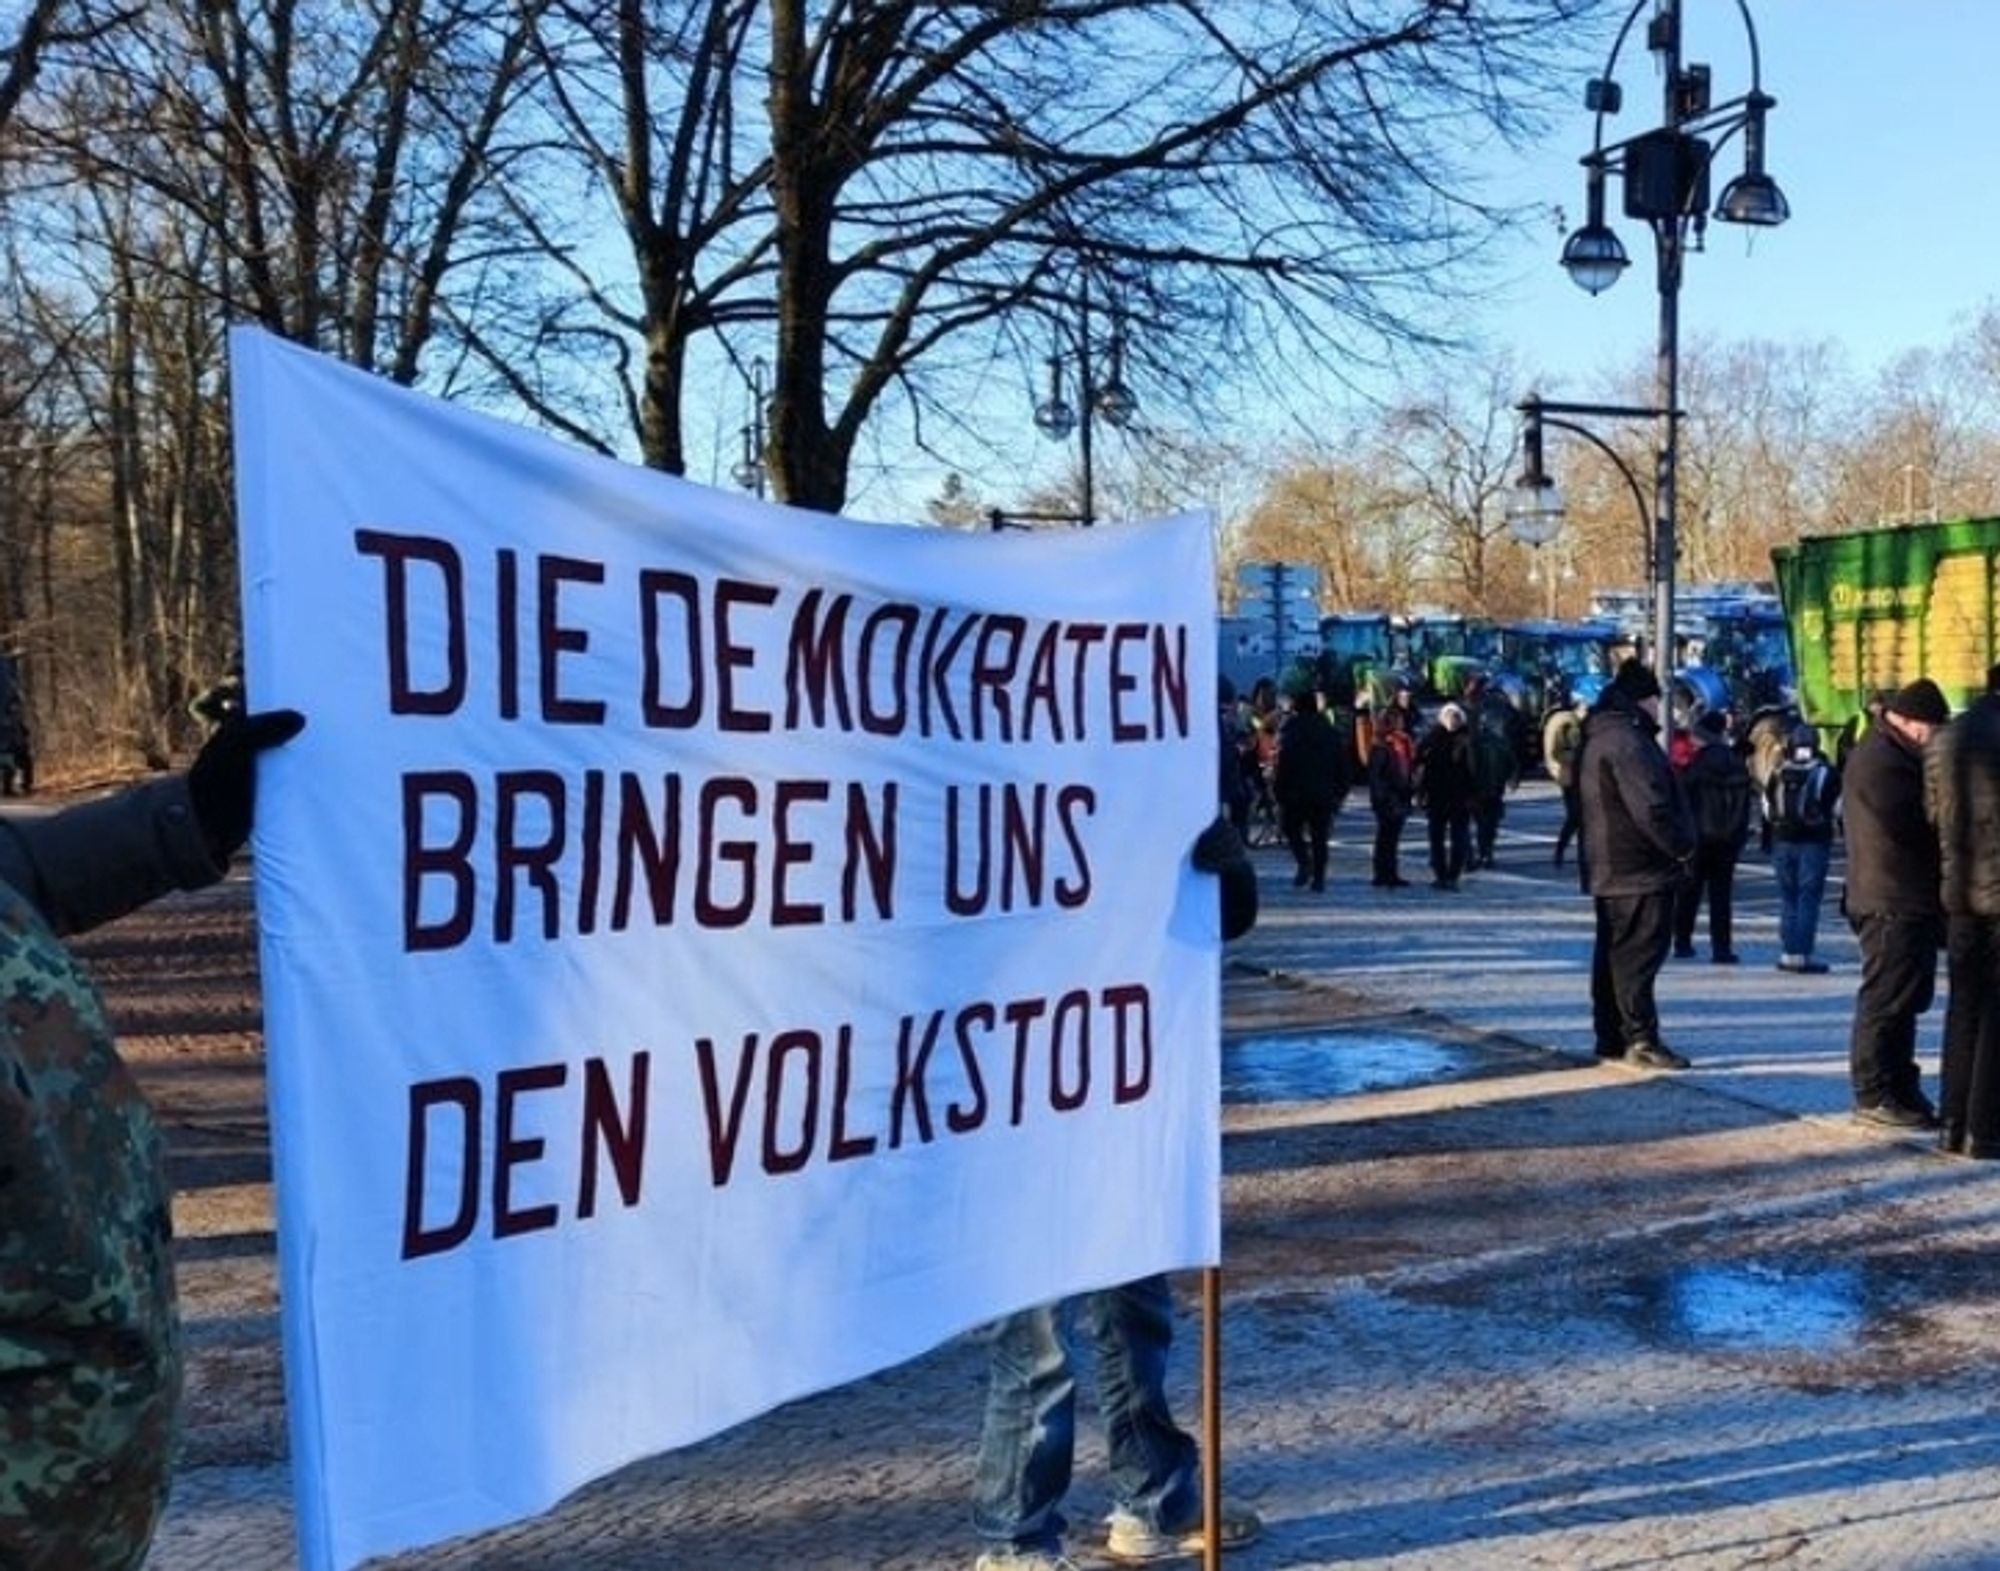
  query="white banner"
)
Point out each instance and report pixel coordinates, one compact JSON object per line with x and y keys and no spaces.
{"x":711,"y":952}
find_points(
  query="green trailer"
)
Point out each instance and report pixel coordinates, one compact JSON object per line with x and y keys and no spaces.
{"x":1869,"y":611}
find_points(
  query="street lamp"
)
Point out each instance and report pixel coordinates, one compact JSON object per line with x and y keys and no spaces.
{"x":1664,"y":173}
{"x":1110,"y":399}
{"x":749,"y":472}
{"x":1534,"y":504}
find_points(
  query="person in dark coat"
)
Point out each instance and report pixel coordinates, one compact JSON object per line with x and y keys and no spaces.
{"x":17,"y":769}
{"x":1636,"y":842}
{"x":90,"y":1346}
{"x":1716,"y":782}
{"x":1444,"y":791}
{"x":1312,"y":778}
{"x":1231,"y":744}
{"x":1892,"y":904}
{"x":1496,"y":770}
{"x":1392,"y":792}
{"x":1962,"y":798}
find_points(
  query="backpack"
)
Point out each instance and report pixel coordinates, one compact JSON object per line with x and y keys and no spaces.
{"x":1721,"y":798}
{"x":1801,"y":797}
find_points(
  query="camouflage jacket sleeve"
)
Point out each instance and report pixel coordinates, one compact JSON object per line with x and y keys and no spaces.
{"x":87,"y":864}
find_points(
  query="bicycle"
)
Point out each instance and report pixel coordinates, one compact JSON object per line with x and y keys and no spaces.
{"x":1264,"y":828}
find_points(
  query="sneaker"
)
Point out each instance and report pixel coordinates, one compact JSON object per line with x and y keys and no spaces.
{"x":1024,"y":1560}
{"x":1654,"y":1055}
{"x":1897,"y":1115}
{"x":1813,"y":968}
{"x":1132,"y":1542}
{"x":1790,"y":963}
{"x":1727,"y":958}
{"x":1683,"y":951}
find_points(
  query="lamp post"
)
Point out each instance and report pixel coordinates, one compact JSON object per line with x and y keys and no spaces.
{"x":1664,"y":173}
{"x":749,"y":471}
{"x":1535,"y":509}
{"x":1909,"y":514}
{"x":1109,"y":398}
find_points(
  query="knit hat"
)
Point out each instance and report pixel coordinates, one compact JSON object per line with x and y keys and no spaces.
{"x":1804,"y":742}
{"x":1636,"y":682}
{"x":1922,"y":701}
{"x":1712,"y":722}
{"x":1451,"y":717}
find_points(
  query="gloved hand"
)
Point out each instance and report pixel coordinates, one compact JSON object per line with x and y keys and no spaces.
{"x":222,"y":780}
{"x":1216,"y":847}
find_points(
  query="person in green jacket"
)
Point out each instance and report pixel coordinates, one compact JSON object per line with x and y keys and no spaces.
{"x":90,"y":1355}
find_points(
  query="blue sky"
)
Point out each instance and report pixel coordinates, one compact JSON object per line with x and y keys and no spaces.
{"x":1877,"y":141}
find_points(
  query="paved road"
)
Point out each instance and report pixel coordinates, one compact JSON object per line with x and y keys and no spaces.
{"x":1490,"y":1306}
{"x":1507,"y":954}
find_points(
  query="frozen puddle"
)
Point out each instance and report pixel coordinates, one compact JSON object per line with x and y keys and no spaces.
{"x":1309,"y":1066}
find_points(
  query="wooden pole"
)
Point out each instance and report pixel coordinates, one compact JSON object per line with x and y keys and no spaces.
{"x":1211,"y":1417}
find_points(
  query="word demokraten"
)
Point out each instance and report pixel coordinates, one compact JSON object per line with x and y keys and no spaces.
{"x":888,"y":669}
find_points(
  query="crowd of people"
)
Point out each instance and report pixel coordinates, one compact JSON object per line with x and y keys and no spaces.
{"x":1916,"y":808}
{"x":1660,"y":823}
{"x":1294,"y":755}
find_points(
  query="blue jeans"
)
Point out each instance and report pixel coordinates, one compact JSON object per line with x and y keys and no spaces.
{"x":1030,"y":1436}
{"x":1800,"y":867}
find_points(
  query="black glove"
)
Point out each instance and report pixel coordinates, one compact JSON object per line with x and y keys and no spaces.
{"x":222,"y":780}
{"x":1217,"y":847}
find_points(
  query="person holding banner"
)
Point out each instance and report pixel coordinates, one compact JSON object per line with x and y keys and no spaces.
{"x":90,"y":1356}
{"x":1027,"y":1447}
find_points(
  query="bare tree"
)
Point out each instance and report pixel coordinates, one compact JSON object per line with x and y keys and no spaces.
{"x":1916,"y":444}
{"x":345,"y":157}
{"x":337,"y":172}
{"x":1764,"y":421}
{"x":936,"y":184}
{"x":1333,"y":511}
{"x":1453,"y":452}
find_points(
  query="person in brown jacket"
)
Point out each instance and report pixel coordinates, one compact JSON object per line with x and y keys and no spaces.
{"x":90,"y":1356}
